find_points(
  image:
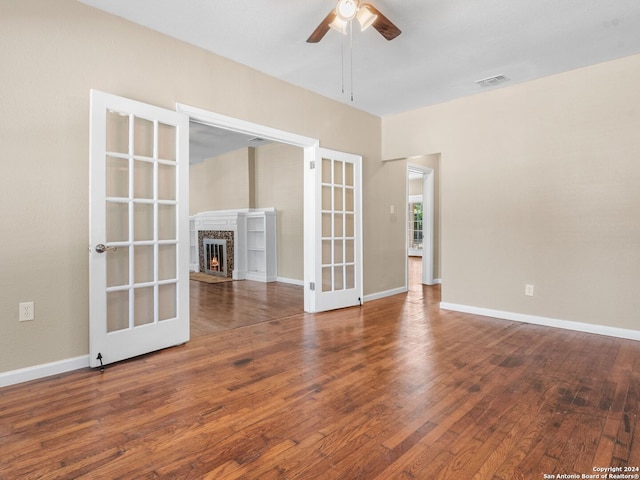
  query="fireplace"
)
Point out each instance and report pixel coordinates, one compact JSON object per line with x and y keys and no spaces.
{"x":251,"y":247}
{"x":216,"y":252}
{"x":215,"y":256}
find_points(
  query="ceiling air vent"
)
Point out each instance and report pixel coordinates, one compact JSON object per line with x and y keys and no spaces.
{"x":256,"y":142}
{"x":492,"y":81}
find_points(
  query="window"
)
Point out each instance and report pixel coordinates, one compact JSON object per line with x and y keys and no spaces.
{"x":415,"y":226}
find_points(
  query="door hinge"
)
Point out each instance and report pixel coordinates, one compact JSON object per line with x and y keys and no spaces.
{"x":312,"y":286}
{"x":312,"y":164}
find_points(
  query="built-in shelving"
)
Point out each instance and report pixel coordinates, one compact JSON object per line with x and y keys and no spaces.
{"x":255,"y":250}
{"x":261,"y":246}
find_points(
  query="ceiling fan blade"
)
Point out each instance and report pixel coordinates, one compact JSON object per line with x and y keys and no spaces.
{"x":382,"y":24}
{"x":322,"y":29}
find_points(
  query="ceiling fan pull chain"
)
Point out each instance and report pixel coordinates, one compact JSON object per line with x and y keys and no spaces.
{"x":351,"y":55}
{"x":342,"y":62}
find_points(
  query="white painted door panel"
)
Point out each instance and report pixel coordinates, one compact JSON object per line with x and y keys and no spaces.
{"x":139,"y":244}
{"x":338,"y":230}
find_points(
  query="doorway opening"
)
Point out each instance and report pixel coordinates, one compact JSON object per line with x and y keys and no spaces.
{"x":332,"y":239}
{"x":420,"y":225}
{"x":245,"y":302}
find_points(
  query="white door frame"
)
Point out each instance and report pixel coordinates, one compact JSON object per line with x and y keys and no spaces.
{"x":309,"y":146}
{"x":428,"y":199}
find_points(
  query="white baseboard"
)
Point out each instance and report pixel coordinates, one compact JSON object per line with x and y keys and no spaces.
{"x":39,"y":371}
{"x":387,"y":293}
{"x":545,"y":321}
{"x":291,"y":281}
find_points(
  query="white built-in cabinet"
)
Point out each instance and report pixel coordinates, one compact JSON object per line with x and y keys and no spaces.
{"x":261,"y":246}
{"x":255,"y":249}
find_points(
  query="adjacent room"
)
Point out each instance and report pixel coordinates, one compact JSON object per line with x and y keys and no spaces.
{"x":235,"y":178}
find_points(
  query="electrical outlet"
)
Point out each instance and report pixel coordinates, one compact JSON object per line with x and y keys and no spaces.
{"x":528,"y":290}
{"x":26,"y":311}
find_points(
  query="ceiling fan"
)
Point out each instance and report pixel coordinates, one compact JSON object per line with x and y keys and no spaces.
{"x":345,"y":11}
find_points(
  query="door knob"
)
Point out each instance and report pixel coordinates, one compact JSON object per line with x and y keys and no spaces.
{"x":101,"y":248}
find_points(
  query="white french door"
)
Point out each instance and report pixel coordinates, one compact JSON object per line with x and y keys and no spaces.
{"x":337,"y":224}
{"x":139,"y":233}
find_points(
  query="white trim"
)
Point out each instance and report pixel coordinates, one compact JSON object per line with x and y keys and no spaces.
{"x":237,"y":125}
{"x":36,"y":372}
{"x":545,"y":321}
{"x":290,"y":281}
{"x":387,"y":293}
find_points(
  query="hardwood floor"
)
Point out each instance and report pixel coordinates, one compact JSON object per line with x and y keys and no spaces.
{"x":223,"y":306}
{"x":395,"y":389}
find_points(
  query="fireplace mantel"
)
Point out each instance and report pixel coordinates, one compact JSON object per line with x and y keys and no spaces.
{"x":254,"y":240}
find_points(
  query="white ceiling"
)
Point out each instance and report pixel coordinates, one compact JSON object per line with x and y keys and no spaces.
{"x":445,"y":45}
{"x":206,"y":142}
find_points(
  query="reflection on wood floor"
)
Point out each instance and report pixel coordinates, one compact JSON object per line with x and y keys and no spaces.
{"x":223,"y":306}
{"x":395,"y":389}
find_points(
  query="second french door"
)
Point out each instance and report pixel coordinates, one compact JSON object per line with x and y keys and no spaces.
{"x":336,"y":214}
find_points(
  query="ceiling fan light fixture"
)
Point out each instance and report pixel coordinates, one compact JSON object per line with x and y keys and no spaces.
{"x":365,"y":17}
{"x":339,"y":25}
{"x":346,"y":10}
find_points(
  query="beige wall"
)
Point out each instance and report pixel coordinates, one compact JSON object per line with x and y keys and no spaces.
{"x":539,"y":185}
{"x":275,"y":180}
{"x":52,"y":54}
{"x":279,"y":183}
{"x":220,"y":183}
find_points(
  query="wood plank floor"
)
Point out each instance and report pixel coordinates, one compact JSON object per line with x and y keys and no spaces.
{"x":223,"y":306}
{"x":395,"y":389}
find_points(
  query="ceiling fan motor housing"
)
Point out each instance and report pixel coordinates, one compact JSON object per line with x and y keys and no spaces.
{"x":340,"y":17}
{"x":347,"y":9}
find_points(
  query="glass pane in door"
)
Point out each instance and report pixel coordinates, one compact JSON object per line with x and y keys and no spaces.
{"x":117,"y":132}
{"x":166,"y":182}
{"x":144,"y":306}
{"x":167,"y":262}
{"x":143,"y":137}
{"x":117,"y":310}
{"x":143,"y":264}
{"x":167,"y":305}
{"x":142,"y":179}
{"x":166,"y":142}
{"x":350,"y":276}
{"x":337,"y":223}
{"x":143,"y":222}
{"x":167,"y":228}
{"x":117,"y":222}
{"x":117,"y":177}
{"x":118,"y":267}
